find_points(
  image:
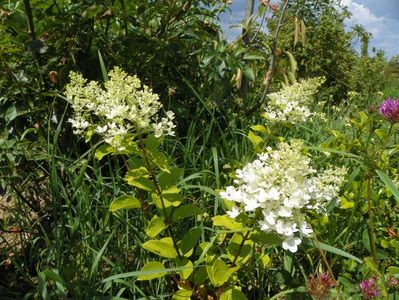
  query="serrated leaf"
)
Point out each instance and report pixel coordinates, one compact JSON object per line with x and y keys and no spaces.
{"x":123,"y":202}
{"x":155,"y":226}
{"x":163,"y":247}
{"x":152,"y":270}
{"x":227,"y":222}
{"x":185,"y":211}
{"x":102,"y":151}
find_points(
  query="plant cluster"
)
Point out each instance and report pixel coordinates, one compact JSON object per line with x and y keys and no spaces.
{"x":169,"y":183}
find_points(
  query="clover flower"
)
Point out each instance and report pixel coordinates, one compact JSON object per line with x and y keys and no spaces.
{"x":369,"y":288}
{"x":389,"y":109}
{"x":291,"y":104}
{"x":123,"y":106}
{"x":319,"y":286}
{"x":283,"y":186}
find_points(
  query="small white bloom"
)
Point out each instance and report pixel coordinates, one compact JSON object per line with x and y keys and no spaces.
{"x":234,"y":212}
{"x":102,"y":129}
{"x":291,"y":243}
{"x":305,"y":229}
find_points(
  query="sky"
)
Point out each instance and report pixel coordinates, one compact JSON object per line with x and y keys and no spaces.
{"x":379,"y":17}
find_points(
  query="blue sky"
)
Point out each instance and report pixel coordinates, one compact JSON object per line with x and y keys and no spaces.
{"x":380,"y":17}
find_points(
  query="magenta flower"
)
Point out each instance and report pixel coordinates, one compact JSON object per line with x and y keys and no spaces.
{"x":389,"y":109}
{"x":392,"y":282}
{"x":369,"y":288}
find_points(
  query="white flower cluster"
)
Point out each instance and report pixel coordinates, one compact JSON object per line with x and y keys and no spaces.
{"x":291,"y":104}
{"x":122,"y":106}
{"x":283,"y":185}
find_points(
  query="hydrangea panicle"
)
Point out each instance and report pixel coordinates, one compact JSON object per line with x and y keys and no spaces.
{"x":291,"y":103}
{"x":283,"y":185}
{"x":120,"y":108}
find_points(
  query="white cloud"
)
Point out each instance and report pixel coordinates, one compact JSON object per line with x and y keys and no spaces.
{"x":362,"y":15}
{"x":384,"y":29}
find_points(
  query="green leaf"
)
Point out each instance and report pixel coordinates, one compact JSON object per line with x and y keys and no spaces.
{"x":130,"y":147}
{"x":259,"y":128}
{"x":169,"y":179}
{"x":169,"y":200}
{"x":300,"y":289}
{"x":163,"y":247}
{"x":265,"y":238}
{"x":125,"y":201}
{"x":249,"y":56}
{"x":182,"y":295}
{"x":227,"y":222}
{"x":200,"y":276}
{"x":366,"y":240}
{"x":248,"y":72}
{"x":186,"y":272}
{"x":11,"y":113}
{"x":152,"y":143}
{"x":239,"y":250}
{"x":257,"y":142}
{"x":139,"y":273}
{"x":103,"y":68}
{"x":152,"y":270}
{"x":393,"y":270}
{"x":185,"y":211}
{"x":140,"y":182}
{"x":160,"y":160}
{"x":233,"y":294}
{"x":389,"y":184}
{"x":189,"y":241}
{"x":155,"y":226}
{"x":264,"y":260}
{"x":218,"y":271}
{"x":346,"y":203}
{"x":371,"y":265}
{"x":102,"y":151}
{"x":334,"y":250}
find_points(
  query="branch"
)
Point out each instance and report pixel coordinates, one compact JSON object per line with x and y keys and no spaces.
{"x":28,"y":11}
{"x":270,"y":71}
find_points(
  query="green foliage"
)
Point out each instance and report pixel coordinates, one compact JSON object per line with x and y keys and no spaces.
{"x":147,"y":221}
